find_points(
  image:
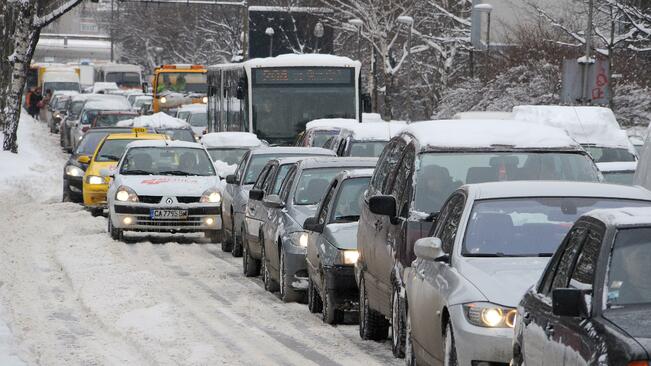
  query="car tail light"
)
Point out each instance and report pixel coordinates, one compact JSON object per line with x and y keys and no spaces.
{"x":638,"y":363}
{"x":85,"y":128}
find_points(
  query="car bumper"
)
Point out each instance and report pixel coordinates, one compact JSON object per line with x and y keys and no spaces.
{"x":296,"y":274}
{"x":493,"y":346}
{"x":201,"y":217}
{"x":340,"y":283}
{"x":95,"y":195}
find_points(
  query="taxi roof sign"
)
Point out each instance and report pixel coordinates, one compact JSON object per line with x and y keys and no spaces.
{"x":138,"y":130}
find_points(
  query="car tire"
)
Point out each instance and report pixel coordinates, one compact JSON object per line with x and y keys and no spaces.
{"x":96,"y":212}
{"x":449,"y":347}
{"x":372,"y":325}
{"x":330,"y":314}
{"x":287,"y":292}
{"x":236,"y":251}
{"x":215,"y":236}
{"x":269,"y":283}
{"x":314,"y":302}
{"x":410,"y":356}
{"x":250,"y":265}
{"x":116,"y":234}
{"x":66,"y":194}
{"x":227,"y":243}
{"x":397,"y":324}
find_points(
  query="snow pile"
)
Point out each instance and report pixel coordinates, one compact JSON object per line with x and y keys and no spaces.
{"x":8,"y":356}
{"x":311,"y":59}
{"x":108,"y":103}
{"x":224,"y":169}
{"x":371,"y":118}
{"x":230,"y":139}
{"x":156,"y":120}
{"x":617,"y":166}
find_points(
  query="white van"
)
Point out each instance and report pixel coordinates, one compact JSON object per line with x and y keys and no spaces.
{"x":124,"y":75}
{"x":61,"y":80}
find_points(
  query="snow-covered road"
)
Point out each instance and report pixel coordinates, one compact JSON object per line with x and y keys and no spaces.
{"x":72,"y":296}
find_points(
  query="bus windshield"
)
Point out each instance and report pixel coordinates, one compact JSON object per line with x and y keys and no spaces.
{"x":285,"y":99}
{"x":182,"y":82}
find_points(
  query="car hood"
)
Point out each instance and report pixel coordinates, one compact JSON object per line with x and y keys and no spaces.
{"x":634,"y":320}
{"x":502,"y":281}
{"x":342,"y":235}
{"x":165,"y":185}
{"x":301,"y":212}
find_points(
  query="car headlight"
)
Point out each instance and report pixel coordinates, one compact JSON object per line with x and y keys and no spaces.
{"x":490,"y":315}
{"x":74,"y":171}
{"x":163,"y":100}
{"x":349,"y":256}
{"x":205,"y":100}
{"x":211,"y":196}
{"x":126,"y":194}
{"x":299,"y":238}
{"x":95,"y":179}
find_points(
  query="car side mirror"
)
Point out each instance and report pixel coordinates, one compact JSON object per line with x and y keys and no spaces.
{"x":84,"y":159}
{"x":231,"y":179}
{"x":570,"y":302}
{"x":144,"y":87}
{"x":430,"y":249}
{"x":383,"y":205}
{"x":256,"y":194}
{"x":273,"y":201}
{"x":107,"y":173}
{"x":312,"y":224}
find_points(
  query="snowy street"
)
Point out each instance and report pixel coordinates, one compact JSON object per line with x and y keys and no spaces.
{"x":72,"y":296}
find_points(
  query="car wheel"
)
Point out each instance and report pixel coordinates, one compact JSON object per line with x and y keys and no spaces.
{"x":372,"y":325}
{"x":116,"y":234}
{"x":215,"y":236}
{"x":269,"y":284}
{"x":410,"y":356}
{"x":450,"y":358}
{"x":287,"y":292}
{"x":95,"y":212}
{"x":397,"y":326}
{"x":227,"y":244}
{"x":314,"y":303}
{"x":330,"y":314}
{"x":66,"y":194}
{"x":250,"y":265}
{"x":238,"y":244}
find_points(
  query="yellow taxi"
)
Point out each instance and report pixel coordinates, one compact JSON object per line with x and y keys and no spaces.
{"x":106,"y":156}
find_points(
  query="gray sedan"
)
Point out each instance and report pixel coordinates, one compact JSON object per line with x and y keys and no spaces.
{"x":284,"y":240}
{"x":332,"y":247}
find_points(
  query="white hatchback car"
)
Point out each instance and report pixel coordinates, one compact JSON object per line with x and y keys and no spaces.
{"x":164,"y":186}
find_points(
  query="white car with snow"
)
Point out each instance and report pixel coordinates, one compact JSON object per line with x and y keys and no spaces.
{"x":164,"y":186}
{"x":227,"y":149}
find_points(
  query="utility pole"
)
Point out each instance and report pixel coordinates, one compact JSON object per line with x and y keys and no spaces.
{"x":111,"y":31}
{"x":245,"y":30}
{"x":588,"y":54}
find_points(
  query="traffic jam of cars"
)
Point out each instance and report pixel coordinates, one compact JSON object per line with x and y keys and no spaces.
{"x":472,"y":241}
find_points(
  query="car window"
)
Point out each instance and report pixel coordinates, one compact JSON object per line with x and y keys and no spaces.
{"x":270,"y":179}
{"x":112,"y":150}
{"x":348,"y":202}
{"x":448,"y":223}
{"x":287,"y":183}
{"x":391,"y":166}
{"x":241,"y":165}
{"x":367,"y":148}
{"x":323,"y":212}
{"x":402,"y":186}
{"x":380,"y":173}
{"x":280,"y":177}
{"x":261,"y":177}
{"x":583,"y":273}
{"x":568,"y":258}
{"x":312,"y":184}
{"x":629,"y":269}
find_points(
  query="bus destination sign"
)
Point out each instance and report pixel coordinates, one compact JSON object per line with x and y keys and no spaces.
{"x":303,"y":75}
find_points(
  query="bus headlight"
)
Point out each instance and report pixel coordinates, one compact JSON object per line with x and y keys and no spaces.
{"x":163,"y":100}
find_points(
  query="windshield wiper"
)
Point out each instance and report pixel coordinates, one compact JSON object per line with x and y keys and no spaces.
{"x":347,"y":218}
{"x":136,"y":172}
{"x":111,"y":157}
{"x":174,"y":172}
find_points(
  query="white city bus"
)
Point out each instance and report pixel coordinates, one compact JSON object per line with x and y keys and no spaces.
{"x":275,"y":97}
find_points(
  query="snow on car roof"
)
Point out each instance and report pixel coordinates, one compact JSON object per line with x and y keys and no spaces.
{"x":164,"y":143}
{"x":156,"y":120}
{"x":488,"y":133}
{"x":617,"y":166}
{"x":193,"y":107}
{"x":627,"y":216}
{"x":331,"y":123}
{"x":588,"y":125}
{"x":376,"y":131}
{"x":292,"y":150}
{"x":302,"y":60}
{"x":106,"y":105}
{"x":493,"y":115}
{"x":65,"y":92}
{"x":230,"y":139}
{"x":555,"y":189}
{"x":356,"y":173}
{"x":327,"y":161}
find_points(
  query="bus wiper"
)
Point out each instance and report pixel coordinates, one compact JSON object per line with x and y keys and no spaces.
{"x":174,"y":172}
{"x":136,"y":172}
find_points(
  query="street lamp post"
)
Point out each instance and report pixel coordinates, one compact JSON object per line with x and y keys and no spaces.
{"x":408,"y":21}
{"x":358,"y":23}
{"x":319,"y":31}
{"x":270,"y":32}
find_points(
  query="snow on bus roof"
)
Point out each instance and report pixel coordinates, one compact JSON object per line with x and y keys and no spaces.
{"x":230,"y":139}
{"x":119,"y":67}
{"x":302,"y":60}
{"x":586,"y":124}
{"x":156,"y":120}
{"x":488,"y":133}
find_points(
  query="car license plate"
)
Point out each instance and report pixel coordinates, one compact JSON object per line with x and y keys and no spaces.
{"x":168,"y":214}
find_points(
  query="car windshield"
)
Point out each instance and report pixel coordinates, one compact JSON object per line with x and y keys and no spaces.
{"x":609,"y":154}
{"x":183,"y":115}
{"x":258,"y":162}
{"x":124,"y":79}
{"x":182,"y":82}
{"x":112,"y":150}
{"x":347,"y":207}
{"x":110,"y":120}
{"x":629,"y":270}
{"x":88,"y":144}
{"x":623,"y":177}
{"x":199,"y":119}
{"x":367,"y":149}
{"x":528,"y":227}
{"x":440,"y":174}
{"x":141,"y":101}
{"x":61,"y":103}
{"x":228,"y":156}
{"x":179,"y":134}
{"x":88,"y":117}
{"x":168,"y":160}
{"x":75,"y":107}
{"x":313,"y":184}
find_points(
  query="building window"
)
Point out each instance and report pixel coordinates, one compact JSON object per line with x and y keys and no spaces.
{"x":88,"y":27}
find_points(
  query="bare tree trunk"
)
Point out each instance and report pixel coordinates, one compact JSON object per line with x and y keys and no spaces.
{"x":389,"y":80}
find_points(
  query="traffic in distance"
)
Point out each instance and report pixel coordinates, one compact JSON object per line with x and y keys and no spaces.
{"x":518,"y":238}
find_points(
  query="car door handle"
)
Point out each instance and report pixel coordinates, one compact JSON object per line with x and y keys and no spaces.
{"x":549,"y":330}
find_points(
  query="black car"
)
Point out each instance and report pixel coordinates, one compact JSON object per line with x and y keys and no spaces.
{"x":73,"y":171}
{"x":592,"y":303}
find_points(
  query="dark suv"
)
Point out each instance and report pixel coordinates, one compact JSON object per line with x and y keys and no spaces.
{"x":417,"y":171}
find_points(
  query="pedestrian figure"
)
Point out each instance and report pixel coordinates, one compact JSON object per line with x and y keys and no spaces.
{"x":34,"y":99}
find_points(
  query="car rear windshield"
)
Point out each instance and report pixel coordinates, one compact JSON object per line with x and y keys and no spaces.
{"x":313,"y":184}
{"x":629,"y":270}
{"x":199,"y":119}
{"x":528,"y":227}
{"x":321,"y":137}
{"x":625,"y":178}
{"x":347,"y":207}
{"x":440,"y":174}
{"x":110,"y":120}
{"x":169,"y":160}
{"x":228,"y":156}
{"x":609,"y":154}
{"x":367,"y":149}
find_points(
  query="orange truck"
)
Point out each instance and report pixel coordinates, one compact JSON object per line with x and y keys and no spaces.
{"x":179,"y":84}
